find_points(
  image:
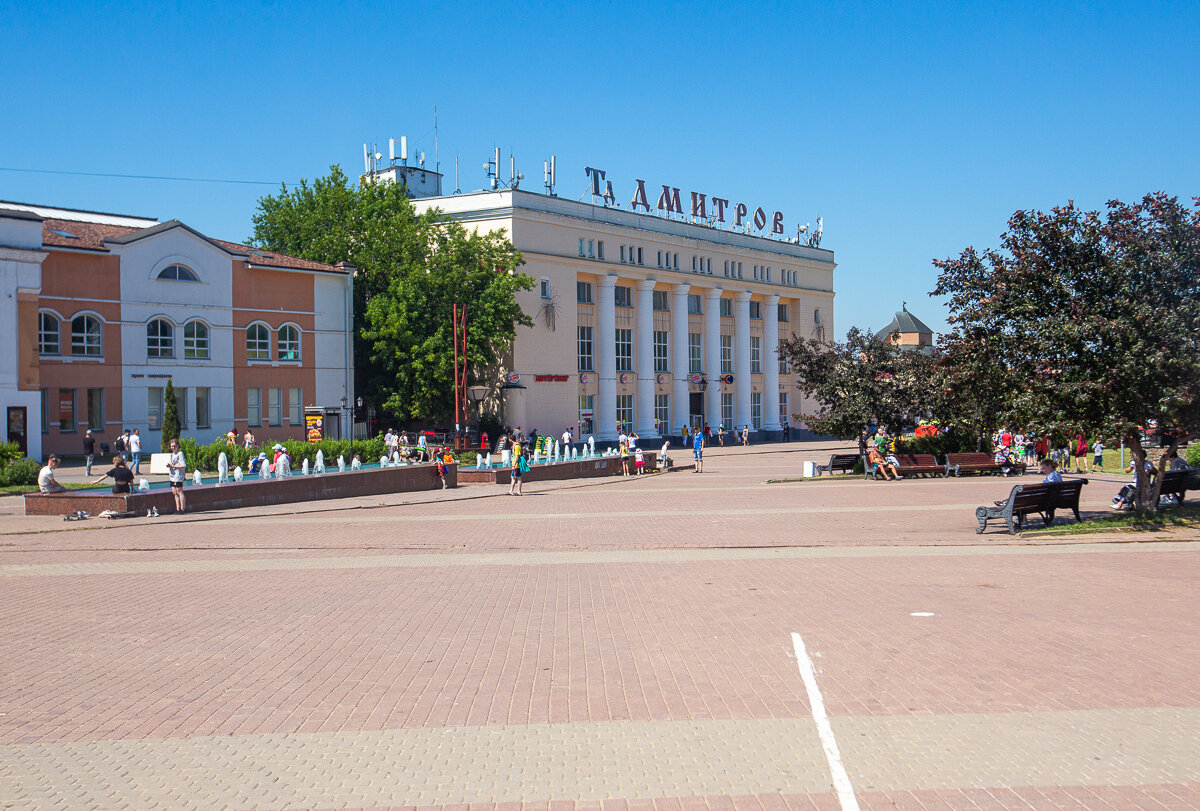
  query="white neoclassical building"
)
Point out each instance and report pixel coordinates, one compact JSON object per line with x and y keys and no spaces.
{"x":649,"y":321}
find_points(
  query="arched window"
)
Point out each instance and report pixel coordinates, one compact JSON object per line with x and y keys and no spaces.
{"x":258,"y":342}
{"x":289,"y":343}
{"x":49,"y":334}
{"x":160,"y":339}
{"x":195,"y":340}
{"x":85,"y":336}
{"x":177,"y":273}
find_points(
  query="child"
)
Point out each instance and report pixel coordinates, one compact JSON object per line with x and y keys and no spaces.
{"x":1098,"y":456}
{"x":624,"y":459}
{"x":639,"y":463}
{"x":441,"y":470}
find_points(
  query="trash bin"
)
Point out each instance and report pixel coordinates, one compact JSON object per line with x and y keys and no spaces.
{"x":810,"y":469}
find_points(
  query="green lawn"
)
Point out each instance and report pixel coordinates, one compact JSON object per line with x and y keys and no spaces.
{"x":1185,"y":515}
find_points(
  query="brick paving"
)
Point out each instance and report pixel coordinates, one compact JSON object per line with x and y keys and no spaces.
{"x":608,"y":645}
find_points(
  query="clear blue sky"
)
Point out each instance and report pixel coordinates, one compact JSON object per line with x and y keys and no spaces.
{"x":913,"y":129}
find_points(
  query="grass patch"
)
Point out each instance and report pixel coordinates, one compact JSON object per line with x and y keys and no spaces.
{"x":1183,"y":516}
{"x":22,"y":489}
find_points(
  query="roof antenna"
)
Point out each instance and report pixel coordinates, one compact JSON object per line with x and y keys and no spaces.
{"x":437,"y":164}
{"x":457,"y":190}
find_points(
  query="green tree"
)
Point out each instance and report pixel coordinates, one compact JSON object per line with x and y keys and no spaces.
{"x":410,"y":271}
{"x":1083,"y":319}
{"x":866,"y":380}
{"x":170,"y":423}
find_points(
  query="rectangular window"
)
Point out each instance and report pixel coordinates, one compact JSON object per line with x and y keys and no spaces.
{"x":45,"y":410}
{"x":693,"y":263}
{"x":727,"y":409}
{"x":756,"y":309}
{"x":95,"y":407}
{"x":695,"y":359}
{"x":66,"y":410}
{"x":622,"y":296}
{"x":695,"y":304}
{"x":154,"y":408}
{"x":204,"y":407}
{"x":676,"y":261}
{"x":756,"y":273}
{"x":181,"y":407}
{"x":662,"y":413}
{"x":755,"y":355}
{"x":591,"y":248}
{"x":816,"y":315}
{"x":727,"y":308}
{"x":254,"y":407}
{"x":587,"y":415}
{"x":622,"y":253}
{"x":583,"y":292}
{"x":726,"y":354}
{"x":295,"y":405}
{"x":585,"y":349}
{"x":581,"y":246}
{"x":783,"y":313}
{"x":708,"y":265}
{"x":600,"y":249}
{"x":784,"y":416}
{"x":275,"y":406}
{"x":660,"y":258}
{"x":661,"y":300}
{"x":625,"y":411}
{"x":639,"y":256}
{"x":783,"y":363}
{"x":739,"y":270}
{"x":660,"y":350}
{"x":756,"y":409}
{"x":624,"y":350}
{"x":49,"y":334}
{"x":545,"y":288}
{"x":632,"y":256}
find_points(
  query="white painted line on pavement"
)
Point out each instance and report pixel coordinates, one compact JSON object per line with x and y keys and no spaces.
{"x":841,"y":780}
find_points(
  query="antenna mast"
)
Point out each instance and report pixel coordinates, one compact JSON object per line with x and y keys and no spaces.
{"x":437,"y":164}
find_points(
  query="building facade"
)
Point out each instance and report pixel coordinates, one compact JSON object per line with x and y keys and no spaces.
{"x":108,"y":308}
{"x":648,"y":322}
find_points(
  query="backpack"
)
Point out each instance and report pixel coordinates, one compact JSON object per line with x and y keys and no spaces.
{"x":119,"y":444}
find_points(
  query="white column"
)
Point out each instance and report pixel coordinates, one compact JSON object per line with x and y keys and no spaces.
{"x":644,"y":340}
{"x":605,"y":347}
{"x":712,"y":363}
{"x":741,"y":360}
{"x":679,"y":357}
{"x":770,"y":352}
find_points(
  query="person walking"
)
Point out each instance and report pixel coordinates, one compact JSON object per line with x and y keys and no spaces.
{"x":698,"y":452}
{"x":135,"y":448}
{"x":177,"y":471}
{"x":514,"y":489}
{"x":721,"y":434}
{"x":1097,"y":456}
{"x":89,"y":452}
{"x":746,"y":435}
{"x":122,"y":445}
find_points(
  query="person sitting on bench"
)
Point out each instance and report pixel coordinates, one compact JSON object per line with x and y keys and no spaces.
{"x":1050,"y":470}
{"x":881,"y":464}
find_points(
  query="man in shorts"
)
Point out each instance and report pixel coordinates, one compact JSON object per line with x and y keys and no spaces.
{"x":698,"y":451}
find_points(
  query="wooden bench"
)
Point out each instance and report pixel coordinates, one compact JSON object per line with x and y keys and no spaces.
{"x":1043,"y":499}
{"x":959,"y":463}
{"x":911,"y":464}
{"x":843,"y":462}
{"x":1178,"y":482}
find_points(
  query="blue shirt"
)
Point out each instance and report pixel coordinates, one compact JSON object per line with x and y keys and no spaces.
{"x":697,"y":441}
{"x":1052,"y":477}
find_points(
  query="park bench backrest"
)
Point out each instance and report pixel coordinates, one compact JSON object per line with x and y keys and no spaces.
{"x":1031,"y":495}
{"x":970,"y":458}
{"x":917,"y":460}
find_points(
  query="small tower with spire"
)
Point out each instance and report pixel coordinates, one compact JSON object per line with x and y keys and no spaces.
{"x":913,"y":332}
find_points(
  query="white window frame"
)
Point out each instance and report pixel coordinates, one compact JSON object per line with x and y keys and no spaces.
{"x":196,"y":346}
{"x":254,"y":407}
{"x":662,"y":413}
{"x":695,"y":353}
{"x":203,"y":415}
{"x":258,"y":341}
{"x":162,"y":344}
{"x":625,"y":411}
{"x":661,"y":343}
{"x":756,"y":366}
{"x":624,"y":350}
{"x":289,"y":347}
{"x":726,"y":354}
{"x":756,"y":407}
{"x":585,"y":349}
{"x":583,"y":293}
{"x":727,"y":409}
{"x":275,"y":406}
{"x":295,"y":405}
{"x":89,"y":345}
{"x":45,"y":334}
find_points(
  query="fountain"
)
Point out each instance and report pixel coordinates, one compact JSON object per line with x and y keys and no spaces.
{"x":283,"y":468}
{"x":143,"y":486}
{"x":222,"y":468}
{"x":383,"y":462}
{"x":591,"y":446}
{"x":505,"y":457}
{"x":488,"y":460}
{"x":237,"y":473}
{"x":478,"y":461}
{"x":537,"y":454}
{"x":196,"y":479}
{"x":319,"y":467}
{"x":355,"y":463}
{"x":341,"y":464}
{"x":554,"y":455}
{"x":304,"y":468}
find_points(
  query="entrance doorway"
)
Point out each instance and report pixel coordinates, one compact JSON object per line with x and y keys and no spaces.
{"x":17,"y":428}
{"x":696,"y":409}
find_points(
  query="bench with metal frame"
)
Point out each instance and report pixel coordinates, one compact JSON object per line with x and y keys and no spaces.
{"x":1043,"y":499}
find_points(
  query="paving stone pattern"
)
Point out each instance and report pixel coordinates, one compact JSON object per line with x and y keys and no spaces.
{"x":590,"y":647}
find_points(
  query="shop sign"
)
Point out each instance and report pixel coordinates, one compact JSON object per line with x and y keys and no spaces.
{"x":514,"y":378}
{"x":551,"y":378}
{"x":314,"y":427}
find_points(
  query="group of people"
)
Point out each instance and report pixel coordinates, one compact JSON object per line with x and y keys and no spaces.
{"x":122,"y":475}
{"x":1023,"y":447}
{"x":401,"y":449}
{"x":738,"y":434}
{"x":128,"y":446}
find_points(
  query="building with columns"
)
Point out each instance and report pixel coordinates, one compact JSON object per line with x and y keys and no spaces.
{"x":649,"y":322}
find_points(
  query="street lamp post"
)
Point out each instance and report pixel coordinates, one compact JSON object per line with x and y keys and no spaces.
{"x":476,"y":395}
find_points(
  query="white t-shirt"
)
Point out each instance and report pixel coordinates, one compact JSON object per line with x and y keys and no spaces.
{"x":632,"y":441}
{"x":566,"y":438}
{"x":135,"y":443}
{"x":622,"y":438}
{"x":177,"y":473}
{"x":46,"y":480}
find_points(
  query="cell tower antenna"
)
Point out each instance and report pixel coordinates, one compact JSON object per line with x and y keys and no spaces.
{"x":457,"y":190}
{"x":437,"y":164}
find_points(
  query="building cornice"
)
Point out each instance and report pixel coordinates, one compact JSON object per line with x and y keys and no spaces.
{"x":35,"y":257}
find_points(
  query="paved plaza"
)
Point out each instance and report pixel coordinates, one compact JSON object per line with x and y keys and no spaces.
{"x":675,"y":642}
